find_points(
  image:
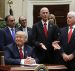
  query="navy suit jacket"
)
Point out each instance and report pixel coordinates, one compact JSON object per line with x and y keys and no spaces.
{"x":68,"y":48}
{"x":39,"y":37}
{"x":2,"y":39}
{"x":12,"y":56}
{"x":8,"y":36}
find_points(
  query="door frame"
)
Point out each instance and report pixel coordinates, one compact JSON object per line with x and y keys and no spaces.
{"x":31,"y":3}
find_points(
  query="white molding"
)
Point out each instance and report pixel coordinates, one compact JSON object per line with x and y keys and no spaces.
{"x":30,"y":4}
{"x":50,"y":2}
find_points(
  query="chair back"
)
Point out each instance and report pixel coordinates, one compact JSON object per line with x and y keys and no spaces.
{"x":1,"y":54}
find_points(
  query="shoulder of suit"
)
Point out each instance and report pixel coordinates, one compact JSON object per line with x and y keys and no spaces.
{"x":10,"y":46}
{"x":28,"y":46}
{"x":37,"y":23}
{"x":17,"y":29}
{"x":5,"y":28}
{"x":64,"y":28}
{"x":29,"y":28}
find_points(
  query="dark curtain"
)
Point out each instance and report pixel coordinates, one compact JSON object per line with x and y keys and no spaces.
{"x":11,"y":11}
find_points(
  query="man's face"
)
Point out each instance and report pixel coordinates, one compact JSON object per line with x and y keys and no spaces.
{"x":70,"y":20}
{"x":44,"y":13}
{"x":11,"y":21}
{"x":23,"y":21}
{"x":20,"y":39}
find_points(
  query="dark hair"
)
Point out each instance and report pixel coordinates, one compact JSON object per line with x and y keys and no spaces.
{"x":6,"y":18}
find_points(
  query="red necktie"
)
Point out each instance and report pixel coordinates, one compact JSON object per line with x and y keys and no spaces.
{"x":45,"y":30}
{"x":21,"y":53}
{"x":70,"y":34}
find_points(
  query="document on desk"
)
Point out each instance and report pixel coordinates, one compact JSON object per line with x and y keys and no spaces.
{"x":33,"y":65}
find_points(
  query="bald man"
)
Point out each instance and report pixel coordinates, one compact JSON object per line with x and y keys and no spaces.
{"x":67,"y":40}
{"x":18,"y":52}
{"x":25,"y":28}
{"x":44,"y":33}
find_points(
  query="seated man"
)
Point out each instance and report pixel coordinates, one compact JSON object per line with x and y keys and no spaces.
{"x":19,"y":52}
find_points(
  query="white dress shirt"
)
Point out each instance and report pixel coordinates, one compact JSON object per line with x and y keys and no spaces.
{"x":73,"y":27}
{"x":25,"y":30}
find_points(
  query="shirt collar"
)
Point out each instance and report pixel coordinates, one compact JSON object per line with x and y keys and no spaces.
{"x":73,"y":27}
{"x":11,"y":28}
{"x":21,"y":47}
{"x":45,"y":22}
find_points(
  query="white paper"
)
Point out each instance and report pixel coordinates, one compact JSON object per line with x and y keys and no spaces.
{"x":31,"y":64}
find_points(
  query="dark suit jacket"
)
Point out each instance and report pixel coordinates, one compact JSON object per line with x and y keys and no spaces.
{"x":66,"y":47}
{"x":2,"y":39}
{"x":39,"y":37}
{"x":12,"y":56}
{"x":29,"y":30}
{"x":8,"y":36}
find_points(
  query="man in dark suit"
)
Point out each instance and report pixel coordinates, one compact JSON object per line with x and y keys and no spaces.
{"x":23,"y":27}
{"x":66,"y":48}
{"x":9,"y":30}
{"x":2,"y":39}
{"x":18,"y":52}
{"x":44,"y":34}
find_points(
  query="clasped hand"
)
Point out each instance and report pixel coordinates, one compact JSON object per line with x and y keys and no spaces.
{"x":67,"y":57}
{"x":29,"y":60}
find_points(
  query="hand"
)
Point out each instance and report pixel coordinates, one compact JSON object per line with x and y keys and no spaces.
{"x":43,"y":46}
{"x":29,"y":60}
{"x":56,"y":45}
{"x":65,"y":57}
{"x":70,"y":57}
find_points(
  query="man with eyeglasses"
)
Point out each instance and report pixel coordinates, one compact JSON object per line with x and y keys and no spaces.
{"x":25,"y":28}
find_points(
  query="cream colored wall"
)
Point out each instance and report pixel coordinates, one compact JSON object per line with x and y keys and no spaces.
{"x":16,"y":7}
{"x":25,"y":7}
{"x":2,"y":8}
{"x":72,"y":5}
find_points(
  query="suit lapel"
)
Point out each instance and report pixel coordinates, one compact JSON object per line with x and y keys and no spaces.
{"x":16,"y":50}
{"x":8,"y":31}
{"x":26,"y":51}
{"x":41,"y":29}
{"x":66,"y":34}
{"x":49,"y":28}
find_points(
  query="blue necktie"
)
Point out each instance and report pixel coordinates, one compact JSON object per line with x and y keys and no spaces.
{"x":13,"y":33}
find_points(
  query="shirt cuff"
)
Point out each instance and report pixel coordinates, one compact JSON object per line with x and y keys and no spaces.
{"x":22,"y":61}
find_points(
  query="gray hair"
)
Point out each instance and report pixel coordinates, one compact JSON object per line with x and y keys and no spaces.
{"x":71,"y":14}
{"x":22,"y":33}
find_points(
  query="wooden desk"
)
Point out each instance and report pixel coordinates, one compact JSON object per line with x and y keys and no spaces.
{"x":29,"y":68}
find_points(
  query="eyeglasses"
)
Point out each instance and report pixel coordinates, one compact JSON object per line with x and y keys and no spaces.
{"x":11,"y":20}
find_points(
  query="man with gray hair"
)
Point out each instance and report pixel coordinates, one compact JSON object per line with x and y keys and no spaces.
{"x":67,"y":41}
{"x":19,"y":52}
{"x":44,"y":33}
